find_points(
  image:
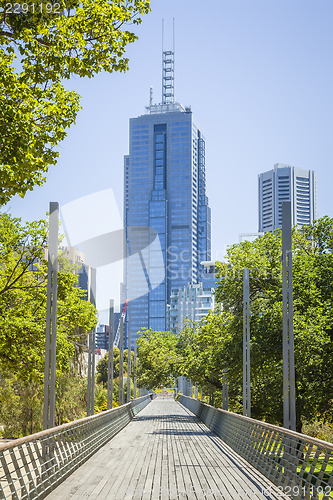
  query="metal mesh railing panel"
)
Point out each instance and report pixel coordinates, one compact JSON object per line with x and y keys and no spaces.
{"x":33,"y":466}
{"x":300,"y":466}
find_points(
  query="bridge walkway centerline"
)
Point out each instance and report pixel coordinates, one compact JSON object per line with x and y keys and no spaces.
{"x":166,"y":453}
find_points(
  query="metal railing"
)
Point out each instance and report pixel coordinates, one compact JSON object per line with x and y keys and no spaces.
{"x":31,"y":467}
{"x":300,"y":466}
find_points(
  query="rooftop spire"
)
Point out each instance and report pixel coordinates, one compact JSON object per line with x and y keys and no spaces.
{"x":168,"y":70}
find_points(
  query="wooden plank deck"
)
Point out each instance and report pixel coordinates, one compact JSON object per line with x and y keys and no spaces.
{"x":166,"y":453}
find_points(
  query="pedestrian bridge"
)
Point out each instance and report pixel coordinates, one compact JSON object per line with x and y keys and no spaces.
{"x":164,"y":449}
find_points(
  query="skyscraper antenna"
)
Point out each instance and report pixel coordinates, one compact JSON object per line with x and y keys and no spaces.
{"x":168,"y":70}
{"x":162,"y":35}
{"x":173,"y":26}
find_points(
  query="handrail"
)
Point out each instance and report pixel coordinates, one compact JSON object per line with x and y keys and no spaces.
{"x":32,"y":466}
{"x":299,"y":465}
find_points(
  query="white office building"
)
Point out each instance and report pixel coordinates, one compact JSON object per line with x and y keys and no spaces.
{"x":286,"y":183}
{"x":194,"y":301}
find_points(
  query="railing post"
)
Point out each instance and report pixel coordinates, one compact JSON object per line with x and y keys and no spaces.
{"x":91,"y":374}
{"x":121,"y":363}
{"x":134,"y":370}
{"x":110,"y":356}
{"x":51,"y":320}
{"x":225,"y":392}
{"x":88,"y":377}
{"x":129,"y":365}
{"x":246,"y":344}
{"x":289,"y":405}
{"x":211,"y":395}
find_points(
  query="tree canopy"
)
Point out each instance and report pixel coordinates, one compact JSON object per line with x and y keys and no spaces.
{"x":23,"y":291}
{"x":158,"y":359}
{"x":21,"y":408}
{"x":313,"y":320}
{"x":102,"y":365}
{"x":41,"y":45}
{"x":207,"y":350}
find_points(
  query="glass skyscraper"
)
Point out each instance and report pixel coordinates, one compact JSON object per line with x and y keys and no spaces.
{"x":166,"y":213}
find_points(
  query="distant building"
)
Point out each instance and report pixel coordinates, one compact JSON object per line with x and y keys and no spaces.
{"x":102,"y":333}
{"x":194,"y":301}
{"x":102,"y":337}
{"x":286,"y":183}
{"x":86,"y":273}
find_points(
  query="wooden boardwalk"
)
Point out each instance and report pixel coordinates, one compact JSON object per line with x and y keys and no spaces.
{"x":166,"y":453}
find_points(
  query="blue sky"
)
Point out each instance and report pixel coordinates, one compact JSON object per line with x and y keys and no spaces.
{"x":258,"y":75}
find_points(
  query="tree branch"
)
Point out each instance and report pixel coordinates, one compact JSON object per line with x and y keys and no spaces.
{"x":7,"y":33}
{"x":9,"y":285}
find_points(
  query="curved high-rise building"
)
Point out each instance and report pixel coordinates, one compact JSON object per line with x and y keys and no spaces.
{"x":166,"y":212}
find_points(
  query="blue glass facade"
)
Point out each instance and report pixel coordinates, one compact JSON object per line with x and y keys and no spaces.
{"x":165,"y":191}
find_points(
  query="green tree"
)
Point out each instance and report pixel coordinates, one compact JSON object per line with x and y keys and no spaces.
{"x":102,"y":365}
{"x":21,"y":408}
{"x":158,"y":359}
{"x":71,"y":398}
{"x":41,"y":45}
{"x":23,"y":289}
{"x":10,"y":407}
{"x":203,"y":350}
{"x":313,"y":321}
{"x":100,"y":398}
{"x":262,"y":257}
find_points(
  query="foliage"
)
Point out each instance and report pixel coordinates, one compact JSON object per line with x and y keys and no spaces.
{"x":177,"y":397}
{"x":205,"y":348}
{"x":23,"y":290}
{"x":102,"y":365}
{"x":202,"y":349}
{"x":158,"y":359}
{"x":70,"y":398}
{"x":313,"y":320}
{"x":101,"y":395}
{"x":262,"y":257}
{"x":21,"y":409}
{"x":102,"y":379}
{"x":212,"y":349}
{"x":319,"y":430}
{"x":42,"y":44}
{"x":100,"y":403}
{"x":125,"y":389}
